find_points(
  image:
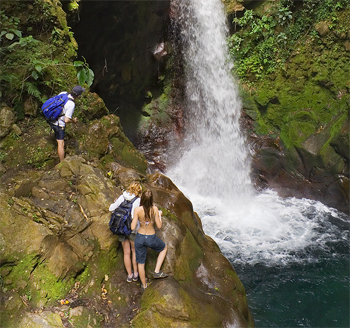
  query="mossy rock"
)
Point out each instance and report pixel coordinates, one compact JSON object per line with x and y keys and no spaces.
{"x":90,"y":106}
{"x":45,"y":319}
{"x":128,"y":155}
{"x":81,"y":316}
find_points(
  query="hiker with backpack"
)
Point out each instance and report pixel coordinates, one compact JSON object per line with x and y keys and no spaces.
{"x":146,"y":215}
{"x":58,"y":111}
{"x":123,"y":207}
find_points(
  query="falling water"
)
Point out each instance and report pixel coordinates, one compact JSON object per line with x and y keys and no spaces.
{"x":216,"y":157}
{"x":263,"y":235}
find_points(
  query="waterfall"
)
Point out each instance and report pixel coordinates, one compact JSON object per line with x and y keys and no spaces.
{"x":214,"y":168}
{"x":277,"y":246}
{"x":215,"y":159}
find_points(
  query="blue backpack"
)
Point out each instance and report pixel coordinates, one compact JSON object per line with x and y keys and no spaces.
{"x":52,"y":108}
{"x":120,"y":222}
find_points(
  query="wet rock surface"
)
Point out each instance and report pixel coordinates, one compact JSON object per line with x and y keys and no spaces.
{"x":318,"y":169}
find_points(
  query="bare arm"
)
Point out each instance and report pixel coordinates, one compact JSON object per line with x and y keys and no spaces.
{"x":157,"y":218}
{"x":67,"y":119}
{"x":135,"y":218}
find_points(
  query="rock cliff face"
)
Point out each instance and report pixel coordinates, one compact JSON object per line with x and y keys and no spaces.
{"x":61,"y":265}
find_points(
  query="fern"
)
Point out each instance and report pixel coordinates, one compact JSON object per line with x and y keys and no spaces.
{"x":32,"y":89}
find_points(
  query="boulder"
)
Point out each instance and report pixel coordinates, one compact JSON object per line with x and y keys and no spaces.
{"x":322,"y":28}
{"x":97,"y":139}
{"x":7,"y":119}
{"x":31,"y":106}
{"x":93,"y":106}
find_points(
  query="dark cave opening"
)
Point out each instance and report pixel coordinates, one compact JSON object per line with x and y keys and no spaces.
{"x":117,"y":39}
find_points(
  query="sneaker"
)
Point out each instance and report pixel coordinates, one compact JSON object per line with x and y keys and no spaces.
{"x":129,"y":279}
{"x":159,"y":274}
{"x":143,"y":288}
{"x":135,"y":278}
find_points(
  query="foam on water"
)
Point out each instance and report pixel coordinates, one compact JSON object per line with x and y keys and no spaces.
{"x":269,"y":229}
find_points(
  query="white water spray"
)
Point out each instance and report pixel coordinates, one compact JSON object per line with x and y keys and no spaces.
{"x":214,"y":169}
{"x":215,"y":159}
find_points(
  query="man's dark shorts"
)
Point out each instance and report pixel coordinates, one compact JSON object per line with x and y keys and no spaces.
{"x":59,"y":132}
{"x":144,"y":241}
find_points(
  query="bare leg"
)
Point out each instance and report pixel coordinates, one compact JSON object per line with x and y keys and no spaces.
{"x":134,"y":264}
{"x":160,"y":259}
{"x":142,"y":274}
{"x":127,"y":258}
{"x":60,"y":149}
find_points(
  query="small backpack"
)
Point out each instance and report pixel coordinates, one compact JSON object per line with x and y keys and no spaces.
{"x":52,"y":108}
{"x":120,"y":221}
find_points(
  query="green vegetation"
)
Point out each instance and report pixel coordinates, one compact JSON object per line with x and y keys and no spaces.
{"x":84,"y":73}
{"x":266,"y":40}
{"x":37,"y":51}
{"x":292,"y":61}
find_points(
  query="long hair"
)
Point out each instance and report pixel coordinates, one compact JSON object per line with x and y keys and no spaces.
{"x":147,"y":203}
{"x":135,"y":188}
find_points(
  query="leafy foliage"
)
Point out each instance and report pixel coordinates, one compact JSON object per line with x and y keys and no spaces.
{"x":37,"y":54}
{"x":265,"y":41}
{"x":9,"y":27}
{"x":84,"y":73}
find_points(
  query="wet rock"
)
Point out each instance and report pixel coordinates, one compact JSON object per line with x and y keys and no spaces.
{"x":319,"y":169}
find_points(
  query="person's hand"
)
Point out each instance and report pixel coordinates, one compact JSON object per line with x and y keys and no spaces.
{"x":75,"y":120}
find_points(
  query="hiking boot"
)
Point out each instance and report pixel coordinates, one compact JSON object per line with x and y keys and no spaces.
{"x":129,"y":279}
{"x":135,"y":278}
{"x":159,"y":274}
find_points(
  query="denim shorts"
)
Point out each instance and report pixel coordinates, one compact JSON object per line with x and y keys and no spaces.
{"x":144,"y":241}
{"x":59,"y":131}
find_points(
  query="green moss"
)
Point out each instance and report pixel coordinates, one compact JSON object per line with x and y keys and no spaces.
{"x":46,"y":288}
{"x":35,"y":281}
{"x":189,"y":259}
{"x":156,"y":110}
{"x":37,"y":146}
{"x":311,"y":87}
{"x":128,"y":155}
{"x":87,"y":318}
